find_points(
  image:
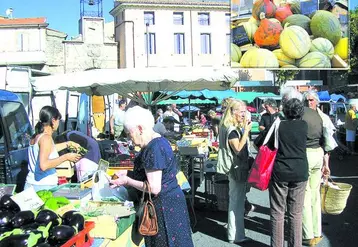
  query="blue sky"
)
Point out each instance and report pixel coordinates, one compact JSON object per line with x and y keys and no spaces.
{"x":62,"y":15}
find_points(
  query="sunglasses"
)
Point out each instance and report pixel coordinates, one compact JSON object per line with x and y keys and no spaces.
{"x":310,"y":99}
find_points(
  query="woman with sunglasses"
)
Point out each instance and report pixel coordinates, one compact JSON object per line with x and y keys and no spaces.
{"x":43,"y":153}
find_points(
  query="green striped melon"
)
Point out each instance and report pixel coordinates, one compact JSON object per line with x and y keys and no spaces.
{"x":314,"y":59}
{"x":295,"y":42}
{"x":295,"y":6}
{"x":259,"y":58}
{"x":324,"y":24}
{"x":324,"y":46}
{"x":250,"y":29}
{"x":283,"y":59}
{"x":235,"y":53}
{"x":298,"y":20}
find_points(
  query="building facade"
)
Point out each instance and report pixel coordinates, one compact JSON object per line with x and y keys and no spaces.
{"x":172,"y":33}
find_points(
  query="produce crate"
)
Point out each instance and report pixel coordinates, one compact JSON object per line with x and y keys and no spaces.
{"x":65,"y":169}
{"x":83,"y":238}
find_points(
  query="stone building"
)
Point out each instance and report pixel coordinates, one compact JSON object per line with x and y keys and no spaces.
{"x":172,"y":33}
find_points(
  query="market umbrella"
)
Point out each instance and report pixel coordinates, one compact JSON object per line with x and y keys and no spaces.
{"x":189,"y":108}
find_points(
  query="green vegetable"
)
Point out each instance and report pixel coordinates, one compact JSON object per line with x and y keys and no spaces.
{"x":44,"y":195}
{"x":55,"y":203}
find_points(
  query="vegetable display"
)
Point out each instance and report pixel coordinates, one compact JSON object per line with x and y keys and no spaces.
{"x":293,"y":38}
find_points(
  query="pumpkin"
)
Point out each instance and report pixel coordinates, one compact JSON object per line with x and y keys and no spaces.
{"x":283,"y":12}
{"x":235,"y":53}
{"x":250,"y":29}
{"x":259,"y":58}
{"x":283,"y":59}
{"x":324,"y":46}
{"x":324,"y":24}
{"x":295,"y":42}
{"x":274,"y":20}
{"x":314,"y":60}
{"x":268,"y":33}
{"x":298,"y":20}
{"x":266,"y":6}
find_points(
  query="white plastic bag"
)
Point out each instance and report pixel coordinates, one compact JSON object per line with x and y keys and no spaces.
{"x":84,"y":168}
{"x":101,"y":188}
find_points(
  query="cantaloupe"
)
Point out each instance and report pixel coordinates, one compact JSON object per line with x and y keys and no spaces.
{"x":283,"y":59}
{"x":235,"y":53}
{"x":324,"y":24}
{"x":235,"y":65}
{"x":341,"y":49}
{"x":298,"y":20}
{"x":250,"y":29}
{"x":295,"y":42}
{"x":259,"y":58}
{"x":314,"y":59}
{"x":324,"y":46}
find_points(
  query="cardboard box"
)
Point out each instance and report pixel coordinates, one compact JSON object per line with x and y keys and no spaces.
{"x":66,"y":169}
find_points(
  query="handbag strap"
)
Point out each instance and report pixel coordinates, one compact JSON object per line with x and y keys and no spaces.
{"x":274,"y":127}
{"x":146,"y":187}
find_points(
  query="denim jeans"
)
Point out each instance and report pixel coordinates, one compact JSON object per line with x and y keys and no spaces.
{"x":312,"y":214}
{"x":288,"y":195}
{"x":235,"y":227}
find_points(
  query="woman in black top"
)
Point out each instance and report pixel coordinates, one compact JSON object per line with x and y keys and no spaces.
{"x":289,"y":176}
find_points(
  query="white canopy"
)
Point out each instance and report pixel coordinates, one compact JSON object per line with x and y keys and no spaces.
{"x":127,"y":82}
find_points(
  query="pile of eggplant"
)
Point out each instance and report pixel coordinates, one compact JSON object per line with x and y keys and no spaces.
{"x":43,"y":228}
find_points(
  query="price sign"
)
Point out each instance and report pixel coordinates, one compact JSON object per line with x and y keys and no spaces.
{"x":239,"y":36}
{"x":309,"y":7}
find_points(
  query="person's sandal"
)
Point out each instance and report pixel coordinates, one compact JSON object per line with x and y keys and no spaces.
{"x":318,"y":239}
{"x":309,"y":242}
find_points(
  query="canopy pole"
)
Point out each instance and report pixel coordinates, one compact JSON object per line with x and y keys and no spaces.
{"x":189,"y":112}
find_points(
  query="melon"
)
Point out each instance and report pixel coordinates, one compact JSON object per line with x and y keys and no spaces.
{"x":235,"y":65}
{"x":324,"y":24}
{"x":288,"y":66}
{"x":341,"y":49}
{"x":295,"y":42}
{"x":298,"y":20}
{"x":235,"y":53}
{"x":250,"y":29}
{"x":283,"y":59}
{"x":314,"y":59}
{"x":254,"y":21}
{"x":259,"y":58}
{"x":324,"y":46}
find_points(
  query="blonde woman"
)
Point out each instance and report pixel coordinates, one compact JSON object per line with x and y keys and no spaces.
{"x":233,"y":161}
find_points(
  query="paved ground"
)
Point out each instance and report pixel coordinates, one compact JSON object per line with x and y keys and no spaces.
{"x":338,"y":231}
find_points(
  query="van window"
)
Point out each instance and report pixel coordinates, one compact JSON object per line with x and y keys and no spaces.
{"x":17,"y":123}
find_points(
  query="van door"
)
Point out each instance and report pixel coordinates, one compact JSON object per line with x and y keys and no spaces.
{"x":17,"y":132}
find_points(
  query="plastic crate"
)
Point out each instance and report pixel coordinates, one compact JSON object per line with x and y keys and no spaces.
{"x":82,"y":239}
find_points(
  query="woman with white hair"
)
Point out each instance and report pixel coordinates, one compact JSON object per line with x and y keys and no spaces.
{"x":233,"y":158}
{"x":157,"y":165}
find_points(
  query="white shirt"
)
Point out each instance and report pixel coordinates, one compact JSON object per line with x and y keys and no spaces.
{"x":118,"y":115}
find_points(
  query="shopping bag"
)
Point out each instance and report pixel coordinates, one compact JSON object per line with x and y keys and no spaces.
{"x":148,"y":222}
{"x":183,"y":181}
{"x":100,"y":186}
{"x":260,"y":173}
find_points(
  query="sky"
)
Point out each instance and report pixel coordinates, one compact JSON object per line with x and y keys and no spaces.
{"x":63,"y":15}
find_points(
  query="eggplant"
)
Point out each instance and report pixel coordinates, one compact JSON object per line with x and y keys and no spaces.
{"x":21,"y":240}
{"x":30,"y":227}
{"x":5,"y":219}
{"x":77,"y":221}
{"x":43,"y":245}
{"x":6,"y":203}
{"x":22,"y":218}
{"x":61,"y":234}
{"x":46,"y":216}
{"x":4,"y":229}
{"x":68,"y":216}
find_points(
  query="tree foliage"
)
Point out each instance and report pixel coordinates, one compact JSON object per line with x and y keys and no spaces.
{"x":281,"y":76}
{"x":353,"y":41}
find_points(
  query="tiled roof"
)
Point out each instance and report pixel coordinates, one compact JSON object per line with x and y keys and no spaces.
{"x":178,"y":2}
{"x":23,"y":21}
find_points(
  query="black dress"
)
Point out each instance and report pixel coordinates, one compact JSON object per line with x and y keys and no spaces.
{"x":170,"y":204}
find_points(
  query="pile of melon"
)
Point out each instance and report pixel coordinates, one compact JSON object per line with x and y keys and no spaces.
{"x":282,"y":37}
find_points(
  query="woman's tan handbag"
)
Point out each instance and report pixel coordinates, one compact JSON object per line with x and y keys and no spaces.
{"x":334,"y":198}
{"x":148,"y":223}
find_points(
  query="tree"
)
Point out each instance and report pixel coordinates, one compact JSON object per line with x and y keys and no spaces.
{"x":281,"y":76}
{"x":353,"y":41}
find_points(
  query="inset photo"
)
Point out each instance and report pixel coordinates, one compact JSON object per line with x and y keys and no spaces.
{"x":290,"y":34}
